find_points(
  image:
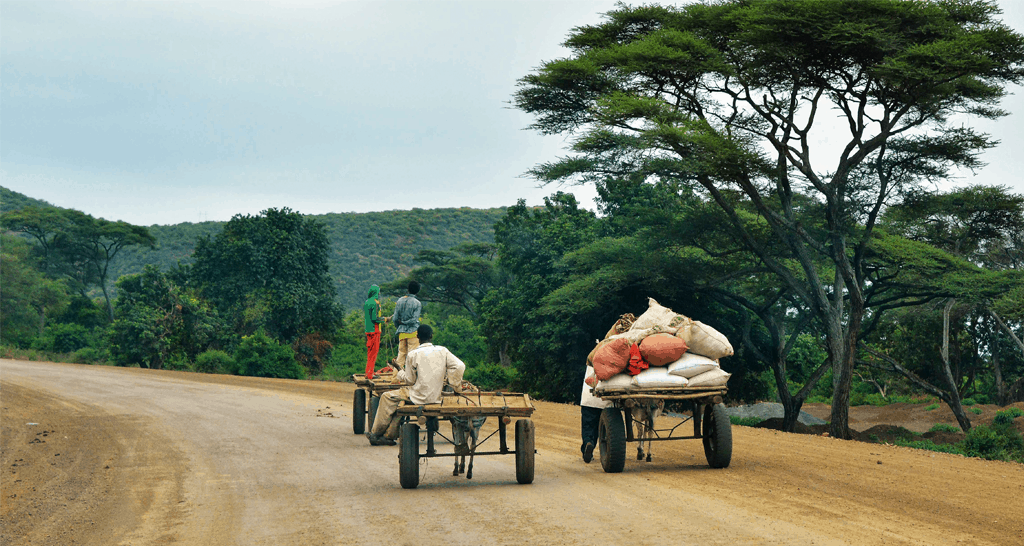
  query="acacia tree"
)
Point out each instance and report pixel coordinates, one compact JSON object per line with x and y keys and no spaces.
{"x":461,"y":276}
{"x":728,"y":96}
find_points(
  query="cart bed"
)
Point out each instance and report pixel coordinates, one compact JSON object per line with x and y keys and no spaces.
{"x":474,"y":404}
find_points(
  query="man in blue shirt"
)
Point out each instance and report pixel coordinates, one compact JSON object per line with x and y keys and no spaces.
{"x":407,"y":320}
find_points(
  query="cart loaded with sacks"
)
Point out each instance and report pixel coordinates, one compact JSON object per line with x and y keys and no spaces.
{"x":467,"y":412}
{"x":661,"y":359}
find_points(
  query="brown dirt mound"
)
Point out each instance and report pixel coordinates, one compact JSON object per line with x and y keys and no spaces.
{"x":943,"y":437}
{"x":885,"y":434}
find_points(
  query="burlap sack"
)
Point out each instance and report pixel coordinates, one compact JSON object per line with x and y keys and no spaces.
{"x":711,"y":378}
{"x":611,"y":358}
{"x":636,"y":336}
{"x":691,"y":365}
{"x":621,"y":325}
{"x":657,"y":315}
{"x":657,"y":377}
{"x":662,"y":349}
{"x":704,"y":340}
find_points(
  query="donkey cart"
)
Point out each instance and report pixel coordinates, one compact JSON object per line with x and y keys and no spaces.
{"x":367,"y":397}
{"x":639,"y":407}
{"x":466,"y":412}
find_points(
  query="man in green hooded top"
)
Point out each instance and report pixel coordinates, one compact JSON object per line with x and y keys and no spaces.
{"x":372,"y":319}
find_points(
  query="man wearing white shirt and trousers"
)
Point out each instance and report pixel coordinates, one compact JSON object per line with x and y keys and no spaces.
{"x":428,"y":368}
{"x":590,"y":417}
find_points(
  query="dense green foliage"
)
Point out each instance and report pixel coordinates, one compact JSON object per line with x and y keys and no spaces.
{"x":365,"y":248}
{"x":258,"y":355}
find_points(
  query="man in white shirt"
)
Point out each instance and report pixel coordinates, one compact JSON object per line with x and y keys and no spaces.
{"x":590,"y":416}
{"x":428,"y":368}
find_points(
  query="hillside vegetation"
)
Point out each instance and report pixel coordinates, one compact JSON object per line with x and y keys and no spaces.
{"x":366,"y":248}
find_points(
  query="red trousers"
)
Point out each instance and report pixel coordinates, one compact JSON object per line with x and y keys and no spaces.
{"x":372,"y":347}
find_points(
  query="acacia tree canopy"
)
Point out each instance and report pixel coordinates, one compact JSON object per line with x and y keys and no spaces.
{"x":728,"y":96}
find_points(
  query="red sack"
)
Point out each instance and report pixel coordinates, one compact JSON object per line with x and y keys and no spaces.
{"x":611,"y":358}
{"x":662,"y":349}
{"x":636,"y":361}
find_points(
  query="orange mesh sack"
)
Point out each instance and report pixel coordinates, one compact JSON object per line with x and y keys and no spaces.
{"x":662,"y":349}
{"x":611,"y":358}
{"x":657,"y":315}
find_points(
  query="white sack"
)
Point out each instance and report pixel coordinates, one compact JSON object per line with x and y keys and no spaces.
{"x":713,"y":378}
{"x":704,"y":340}
{"x":692,"y":365}
{"x":615,"y":383}
{"x":657,"y":377}
{"x":657,"y":315}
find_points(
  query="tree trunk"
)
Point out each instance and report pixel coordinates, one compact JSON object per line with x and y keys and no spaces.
{"x":997,"y":371}
{"x":954,"y":392}
{"x":42,"y":319}
{"x":843,"y":351}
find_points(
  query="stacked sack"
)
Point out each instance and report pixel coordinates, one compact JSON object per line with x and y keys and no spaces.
{"x":659,"y":349}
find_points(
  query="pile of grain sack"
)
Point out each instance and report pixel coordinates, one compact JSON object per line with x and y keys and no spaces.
{"x":660,"y":349}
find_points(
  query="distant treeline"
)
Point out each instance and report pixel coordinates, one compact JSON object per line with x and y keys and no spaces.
{"x":366,"y":248}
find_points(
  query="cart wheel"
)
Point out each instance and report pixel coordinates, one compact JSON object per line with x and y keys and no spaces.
{"x":524,"y":450}
{"x":611,"y":437}
{"x":717,"y":436}
{"x":409,"y":456}
{"x":372,"y":414}
{"x":359,"y":411}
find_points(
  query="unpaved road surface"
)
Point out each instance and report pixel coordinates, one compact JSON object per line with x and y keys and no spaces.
{"x":97,"y":455}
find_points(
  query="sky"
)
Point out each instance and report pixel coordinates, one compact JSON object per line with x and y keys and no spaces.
{"x":169,"y":112}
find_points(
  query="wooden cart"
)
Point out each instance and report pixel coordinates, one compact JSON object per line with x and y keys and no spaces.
{"x":714,"y":428}
{"x":367,"y":397}
{"x":461,"y":410}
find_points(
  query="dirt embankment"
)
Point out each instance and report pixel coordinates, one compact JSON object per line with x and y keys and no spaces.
{"x":140,"y":457}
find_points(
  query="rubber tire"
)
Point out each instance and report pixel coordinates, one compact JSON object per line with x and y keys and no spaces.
{"x":717,"y":435}
{"x":611,"y":439}
{"x":359,"y":412}
{"x":409,"y":456}
{"x":525,"y":442}
{"x":372,"y":413}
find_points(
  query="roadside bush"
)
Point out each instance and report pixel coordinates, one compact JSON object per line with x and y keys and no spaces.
{"x":967,"y":402}
{"x":996,"y":442}
{"x":491,"y":377}
{"x":214,"y":361}
{"x":930,"y":446}
{"x":260,"y":356}
{"x":178,"y":362}
{"x":744,"y":421}
{"x":976,"y":411}
{"x":944,"y":427}
{"x":346,"y":360}
{"x":90,"y":355}
{"x":1007,"y":416}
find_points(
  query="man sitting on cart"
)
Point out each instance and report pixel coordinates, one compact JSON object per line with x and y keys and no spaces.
{"x":428,"y":368}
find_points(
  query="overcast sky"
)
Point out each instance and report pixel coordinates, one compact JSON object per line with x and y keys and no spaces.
{"x":168,"y":112}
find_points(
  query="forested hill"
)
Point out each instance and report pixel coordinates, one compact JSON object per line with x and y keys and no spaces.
{"x":12,"y":200}
{"x":366,"y":248}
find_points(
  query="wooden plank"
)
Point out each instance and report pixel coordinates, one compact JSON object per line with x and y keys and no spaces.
{"x":474,"y":404}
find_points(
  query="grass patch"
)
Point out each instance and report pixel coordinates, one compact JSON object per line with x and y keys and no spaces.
{"x":931,"y":407}
{"x":944,"y":427}
{"x":745,"y":421}
{"x":976,"y":411}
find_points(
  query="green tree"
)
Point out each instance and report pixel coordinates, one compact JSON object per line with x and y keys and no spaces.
{"x":726,"y":96}
{"x":461,"y":276}
{"x":258,"y":355}
{"x":158,"y":322}
{"x":269,"y":271}
{"x":28,"y":296}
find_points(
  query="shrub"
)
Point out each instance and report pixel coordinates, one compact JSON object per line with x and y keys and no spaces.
{"x":346,"y":360}
{"x":260,"y":356}
{"x":491,"y":377}
{"x":976,"y":411}
{"x":745,"y":421}
{"x":89,"y":355}
{"x":944,"y":427}
{"x":931,"y":407}
{"x":1007,"y":416}
{"x":929,"y":445}
{"x":214,"y":361}
{"x":967,"y":402}
{"x":996,"y":442}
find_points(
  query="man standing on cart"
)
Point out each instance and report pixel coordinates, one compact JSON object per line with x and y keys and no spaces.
{"x":428,"y":368}
{"x":407,"y":320}
{"x":372,"y":320}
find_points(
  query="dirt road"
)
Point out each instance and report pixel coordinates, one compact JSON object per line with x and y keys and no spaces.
{"x":97,"y":455}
